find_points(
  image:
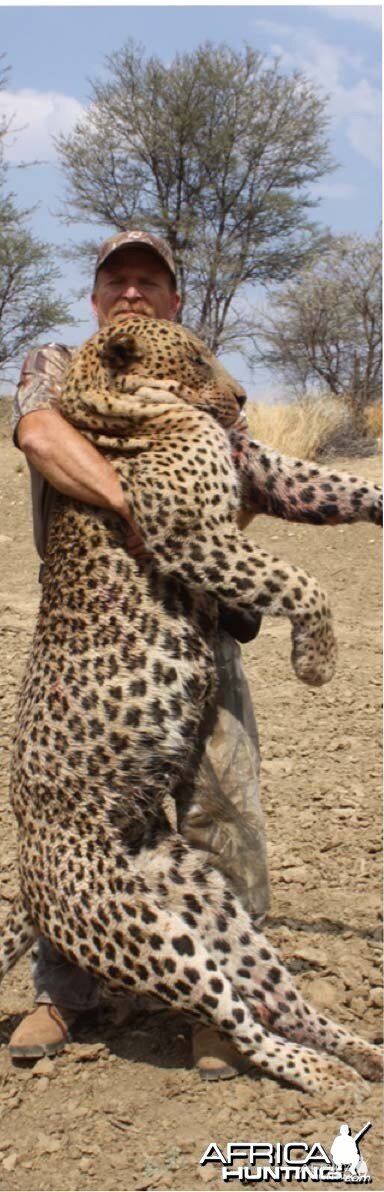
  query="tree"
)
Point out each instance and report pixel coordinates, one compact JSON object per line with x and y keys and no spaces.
{"x":325,"y":328}
{"x":216,"y":152}
{"x":28,"y":306}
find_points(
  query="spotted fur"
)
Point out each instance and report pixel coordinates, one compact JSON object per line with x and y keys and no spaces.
{"x":175,"y":464}
{"x":111,"y":720}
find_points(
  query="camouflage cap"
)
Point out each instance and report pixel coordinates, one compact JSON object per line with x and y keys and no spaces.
{"x":135,"y":237}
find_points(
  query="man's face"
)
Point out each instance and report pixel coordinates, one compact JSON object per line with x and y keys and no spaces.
{"x":134,"y":281}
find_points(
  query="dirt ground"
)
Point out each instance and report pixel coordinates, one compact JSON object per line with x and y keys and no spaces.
{"x":122,"y":1108}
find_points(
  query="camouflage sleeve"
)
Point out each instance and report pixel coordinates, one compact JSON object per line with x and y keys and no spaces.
{"x":40,"y":381}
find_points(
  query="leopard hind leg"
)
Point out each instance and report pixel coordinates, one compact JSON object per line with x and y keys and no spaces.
{"x":138,"y":939}
{"x":271,"y":993}
{"x":171,"y":962}
{"x":243,"y":953}
{"x":131,"y":936}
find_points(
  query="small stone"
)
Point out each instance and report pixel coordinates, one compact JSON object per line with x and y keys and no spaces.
{"x":359,"y":1006}
{"x":296,"y":873}
{"x":9,"y":1163}
{"x":13,"y":1101}
{"x":82,"y":1053}
{"x":313,"y":955}
{"x":43,"y":1084}
{"x":85,"y":1164}
{"x":44,"y":1067}
{"x":376,"y":997}
{"x":117,"y":1160}
{"x":321,"y":991}
{"x":46,"y":1145}
{"x":270,"y":1108}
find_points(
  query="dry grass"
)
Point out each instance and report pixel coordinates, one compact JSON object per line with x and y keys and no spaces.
{"x":374,"y":420}
{"x":302,"y":428}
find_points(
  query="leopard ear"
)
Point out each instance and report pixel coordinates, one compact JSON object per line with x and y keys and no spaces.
{"x":115,"y":355}
{"x":117,"y":346}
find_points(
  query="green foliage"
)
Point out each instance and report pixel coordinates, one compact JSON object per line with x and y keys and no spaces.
{"x":215,"y":151}
{"x":326,"y":326}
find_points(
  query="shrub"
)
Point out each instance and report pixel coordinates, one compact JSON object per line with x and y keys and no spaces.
{"x":302,"y":428}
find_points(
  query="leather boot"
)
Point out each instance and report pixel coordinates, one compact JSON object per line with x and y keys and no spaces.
{"x":44,"y":1031}
{"x":214,"y":1056}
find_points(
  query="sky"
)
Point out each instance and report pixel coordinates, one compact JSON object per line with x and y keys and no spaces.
{"x":54,"y":52}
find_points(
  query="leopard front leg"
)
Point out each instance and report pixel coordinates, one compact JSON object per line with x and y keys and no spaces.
{"x":217,"y":560}
{"x":300,"y":490}
{"x":256,"y":580}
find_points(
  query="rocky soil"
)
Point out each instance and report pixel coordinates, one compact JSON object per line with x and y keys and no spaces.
{"x":122,"y":1108}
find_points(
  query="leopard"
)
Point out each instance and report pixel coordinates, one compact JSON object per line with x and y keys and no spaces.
{"x":115,"y":696}
{"x":176,"y":445}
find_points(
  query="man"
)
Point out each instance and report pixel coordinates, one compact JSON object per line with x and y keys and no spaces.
{"x":135,"y":275}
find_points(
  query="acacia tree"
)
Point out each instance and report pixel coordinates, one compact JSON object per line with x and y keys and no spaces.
{"x":325,"y":329}
{"x":215,"y":151}
{"x":28,"y":306}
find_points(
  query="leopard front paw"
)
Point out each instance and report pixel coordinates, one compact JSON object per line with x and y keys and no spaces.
{"x":314,"y":653}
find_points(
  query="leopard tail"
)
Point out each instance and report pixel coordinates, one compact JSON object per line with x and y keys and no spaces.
{"x":16,"y":935}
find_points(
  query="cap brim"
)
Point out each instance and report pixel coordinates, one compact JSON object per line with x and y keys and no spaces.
{"x":135,"y":244}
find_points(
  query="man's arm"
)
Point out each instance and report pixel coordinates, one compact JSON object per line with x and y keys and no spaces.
{"x":58,"y":452}
{"x":68,"y":461}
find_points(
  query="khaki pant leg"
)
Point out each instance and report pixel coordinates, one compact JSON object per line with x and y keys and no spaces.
{"x":223,"y":815}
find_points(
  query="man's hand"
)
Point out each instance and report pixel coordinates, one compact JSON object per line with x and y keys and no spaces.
{"x":136,"y":547}
{"x":134,"y":542}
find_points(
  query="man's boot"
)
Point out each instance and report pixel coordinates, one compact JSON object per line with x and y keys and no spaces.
{"x":44,"y":1031}
{"x":214,"y":1056}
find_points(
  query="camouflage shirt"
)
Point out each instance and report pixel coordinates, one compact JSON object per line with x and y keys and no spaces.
{"x":39,"y":387}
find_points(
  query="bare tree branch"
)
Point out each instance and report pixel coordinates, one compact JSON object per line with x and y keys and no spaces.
{"x":326,"y":326}
{"x":215,"y":151}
